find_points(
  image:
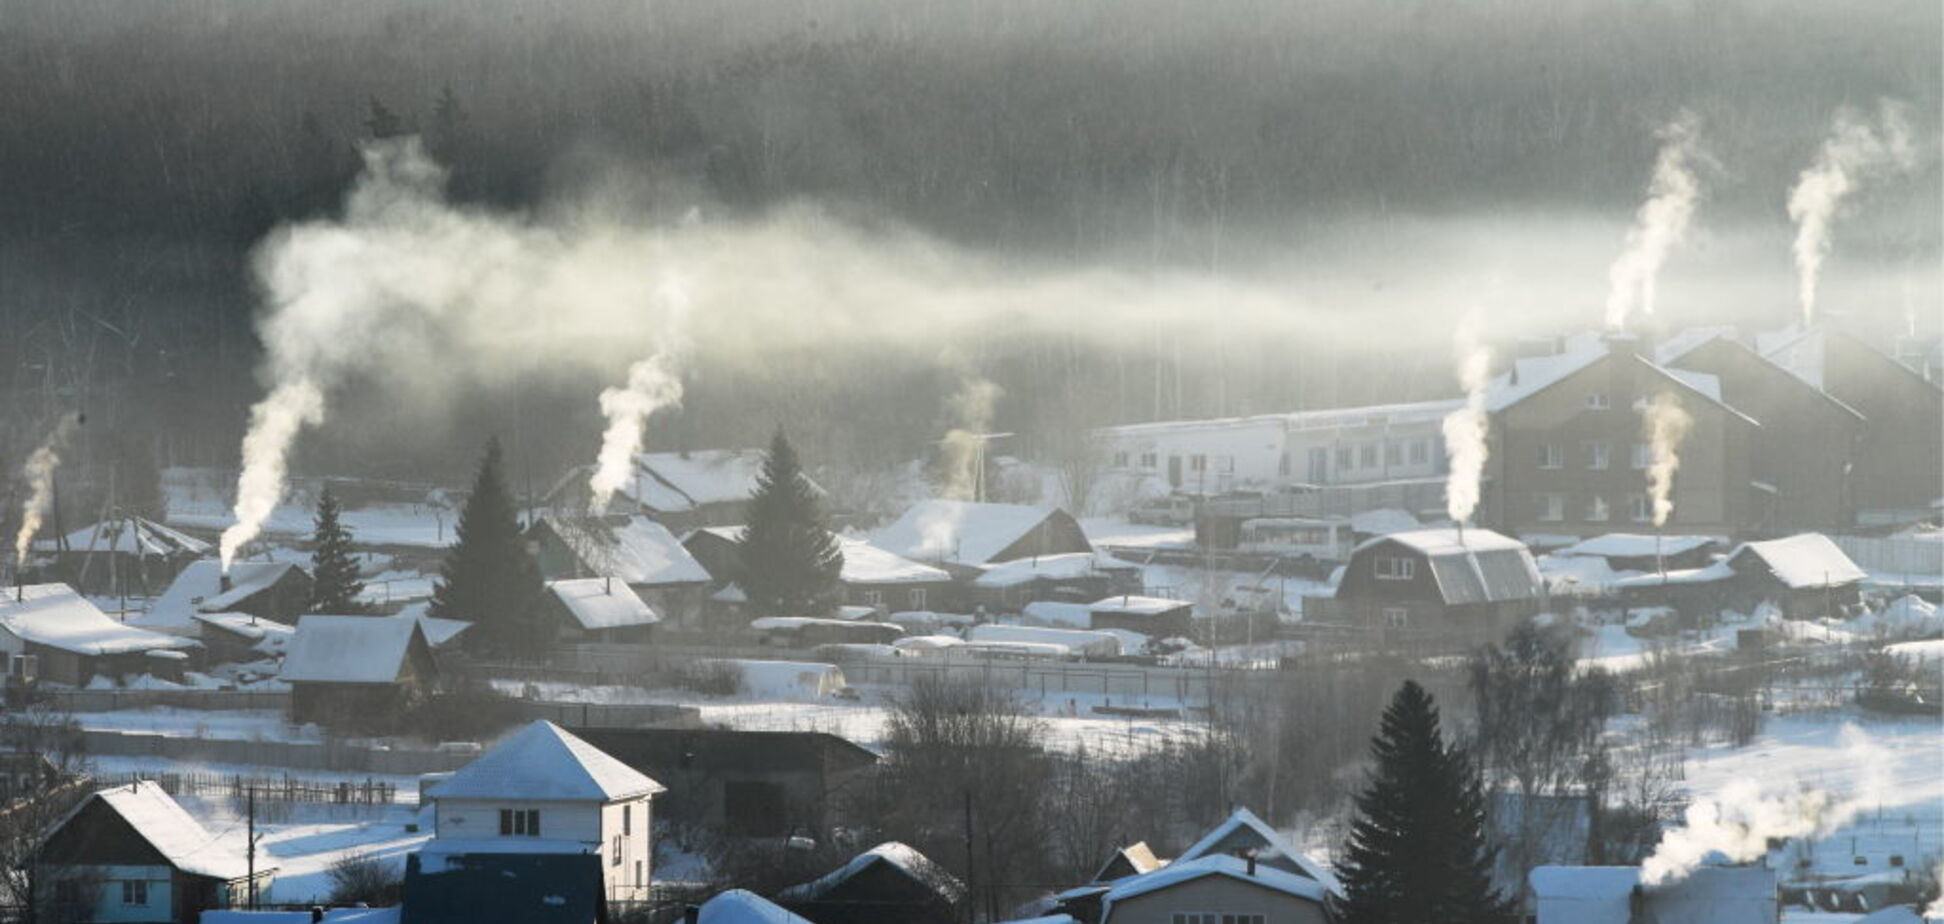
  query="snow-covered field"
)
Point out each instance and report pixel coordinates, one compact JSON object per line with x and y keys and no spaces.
{"x":209,"y":724}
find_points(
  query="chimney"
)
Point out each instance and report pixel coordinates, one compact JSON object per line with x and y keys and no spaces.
{"x":1252,"y":862}
{"x":317,"y":913}
{"x":223,"y":582}
{"x":608,"y":586}
{"x":1461,"y":532}
{"x":691,"y":914}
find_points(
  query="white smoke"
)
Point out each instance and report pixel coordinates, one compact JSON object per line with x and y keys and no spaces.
{"x":1466,"y":429}
{"x":1738,"y":824}
{"x":1854,"y":153}
{"x":1661,"y":223}
{"x":961,"y":460}
{"x":275,"y":422}
{"x":39,"y":472}
{"x":653,"y":383}
{"x":1664,"y":424}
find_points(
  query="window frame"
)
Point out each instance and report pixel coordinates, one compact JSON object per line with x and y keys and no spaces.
{"x":1394,"y":453}
{"x":1597,"y":509}
{"x":1599,"y":455}
{"x":1420,"y":453}
{"x":1640,"y":508}
{"x":1551,"y":459}
{"x":917,"y":597}
{"x":1367,"y":456}
{"x":1401,"y":568}
{"x":1598,"y":401}
{"x":1642,"y":457}
{"x":135,"y":892}
{"x":1553,"y":507}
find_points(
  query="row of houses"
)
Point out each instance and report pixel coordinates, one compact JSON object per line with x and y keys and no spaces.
{"x":1804,"y":429}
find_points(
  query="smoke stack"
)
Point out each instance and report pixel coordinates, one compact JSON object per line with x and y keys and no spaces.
{"x":223,"y":581}
{"x":1461,"y":532}
{"x":691,"y":914}
{"x":1252,"y":862}
{"x":607,"y":586}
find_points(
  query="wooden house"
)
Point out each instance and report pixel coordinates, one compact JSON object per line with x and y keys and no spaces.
{"x":128,"y":555}
{"x":239,"y":638}
{"x":1461,"y":586}
{"x":1155,"y":617}
{"x":131,"y":855}
{"x":963,"y":537}
{"x":1071,"y":577}
{"x":680,"y":490}
{"x":278,"y":591}
{"x":887,"y":884}
{"x":357,"y":670}
{"x":598,"y":610}
{"x":1805,"y":577}
{"x":50,"y":634}
{"x":745,"y":783}
{"x":1645,"y":552}
{"x":634,"y":550}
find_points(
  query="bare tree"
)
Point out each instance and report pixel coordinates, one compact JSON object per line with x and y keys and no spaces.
{"x":360,"y":876}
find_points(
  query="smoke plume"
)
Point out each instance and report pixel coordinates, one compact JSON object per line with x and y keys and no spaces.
{"x":39,"y":472}
{"x":1738,"y":824}
{"x":653,"y":383}
{"x":1855,"y":152}
{"x":274,"y":424}
{"x":1665,"y":425}
{"x":961,"y":458}
{"x":1466,"y":428}
{"x":1661,"y":223}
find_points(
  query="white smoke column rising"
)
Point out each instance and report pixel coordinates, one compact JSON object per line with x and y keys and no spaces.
{"x":653,"y":384}
{"x":1466,"y":428}
{"x":1661,"y":223}
{"x":39,"y":471}
{"x":274,"y":424}
{"x":1738,"y":823}
{"x":1854,"y":153}
{"x":1666,"y":424}
{"x":963,"y":459}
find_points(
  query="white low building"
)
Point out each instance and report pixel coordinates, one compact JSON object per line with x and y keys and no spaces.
{"x":545,"y":791}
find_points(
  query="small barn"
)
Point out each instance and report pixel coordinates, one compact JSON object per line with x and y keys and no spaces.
{"x":963,"y":537}
{"x":50,"y":634}
{"x":598,"y":610}
{"x":278,"y":591}
{"x":124,"y":555}
{"x":1439,"y":585}
{"x":887,"y":884}
{"x":131,"y":854}
{"x":1805,"y":577}
{"x":891,"y":583}
{"x":632,"y":549}
{"x":239,"y":638}
{"x":357,"y":670}
{"x":1638,"y":552}
{"x":745,"y":783}
{"x":1154,"y":617}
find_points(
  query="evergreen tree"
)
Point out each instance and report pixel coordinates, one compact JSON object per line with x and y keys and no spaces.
{"x":334,"y":567}
{"x":1417,"y":850}
{"x":489,"y":578}
{"x":382,"y":122}
{"x":790,"y":560}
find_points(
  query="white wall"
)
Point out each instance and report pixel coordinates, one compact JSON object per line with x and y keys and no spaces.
{"x":108,"y":892}
{"x":597,"y":825}
{"x":1238,"y":454}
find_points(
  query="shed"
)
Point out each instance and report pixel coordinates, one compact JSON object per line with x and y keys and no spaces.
{"x":599,"y":610}
{"x":129,"y":555}
{"x":1072,"y":577}
{"x":133,"y":849}
{"x":887,"y":884}
{"x":1452,"y":585}
{"x":889,"y":582}
{"x":960,"y":536}
{"x":1639,"y":552}
{"x":357,"y":670}
{"x":1805,"y":575}
{"x":1155,"y":617}
{"x":239,"y":638}
{"x":1080,"y":641}
{"x":50,"y":633}
{"x":744,"y":783}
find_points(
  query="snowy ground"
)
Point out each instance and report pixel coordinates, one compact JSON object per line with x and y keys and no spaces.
{"x":303,"y":840}
{"x":208,"y":724}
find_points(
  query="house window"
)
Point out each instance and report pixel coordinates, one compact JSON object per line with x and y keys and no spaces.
{"x":1551,"y":507}
{"x":1639,"y":509}
{"x":1120,"y":460}
{"x":1397,"y":617}
{"x":916,"y":597}
{"x":627,"y":820}
{"x":1148,"y":461}
{"x":134,"y":892}
{"x":26,"y":667}
{"x":1367,"y":455}
{"x":1319,"y":465}
{"x":519,"y":822}
{"x":1596,"y":509}
{"x":1598,"y":455}
{"x":1597,"y":401}
{"x":1643,"y":456}
{"x":1550,"y":456}
{"x":1343,"y":459}
{"x":1393,"y":454}
{"x":617,"y":852}
{"x":873,"y":598}
{"x":1395,"y":568}
{"x":1198,"y":463}
{"x":1420,"y":452}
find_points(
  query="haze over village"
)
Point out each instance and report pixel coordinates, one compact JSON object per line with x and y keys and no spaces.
{"x":864,"y":462}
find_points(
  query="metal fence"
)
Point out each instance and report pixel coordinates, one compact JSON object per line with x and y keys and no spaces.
{"x":1915,"y":558}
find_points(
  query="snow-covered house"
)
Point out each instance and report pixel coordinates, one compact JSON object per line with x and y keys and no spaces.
{"x":1433,"y":584}
{"x":239,"y":638}
{"x":272,"y":590}
{"x":1155,"y":617}
{"x":49,"y":633}
{"x":887,"y":884}
{"x":681,"y":490}
{"x":635,"y":550}
{"x":544,"y":791}
{"x":962,"y":537}
{"x":1804,"y":577}
{"x":740,"y":906}
{"x":1645,"y":552}
{"x":1244,"y":832}
{"x":599,"y":610}
{"x":1215,"y":888}
{"x":889,"y":582}
{"x":1615,"y":895}
{"x":132,"y":555}
{"x":1068,"y":577}
{"x":357,"y":669}
{"x":131,"y":854}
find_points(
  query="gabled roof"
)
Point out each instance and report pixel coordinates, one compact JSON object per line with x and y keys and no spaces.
{"x":1807,"y":560}
{"x":602,"y":603}
{"x":544,"y":762}
{"x":1137,"y":858}
{"x":349,"y":649}
{"x":199,"y":589}
{"x":56,"y":616}
{"x":1804,"y":351}
{"x":1673,"y":350}
{"x":128,"y":535}
{"x":1236,"y":868}
{"x":740,"y":906}
{"x":1531,"y":375}
{"x":174,"y":834}
{"x":1481,"y":567}
{"x":865,"y":563}
{"x":893,"y":855}
{"x":1243,"y":831}
{"x":1636,"y":545}
{"x":634,"y":549}
{"x":677,"y":482}
{"x":1066,"y":566}
{"x":959,"y":531}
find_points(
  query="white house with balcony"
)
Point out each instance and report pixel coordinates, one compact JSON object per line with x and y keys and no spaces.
{"x":544,"y":790}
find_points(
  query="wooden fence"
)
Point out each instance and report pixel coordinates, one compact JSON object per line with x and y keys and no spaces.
{"x":267,"y":788}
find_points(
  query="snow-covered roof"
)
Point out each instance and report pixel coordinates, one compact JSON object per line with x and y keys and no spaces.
{"x":602,"y":603}
{"x":959,"y":531}
{"x":927,"y":642}
{"x":674,"y":482}
{"x":1236,"y":868}
{"x":1244,"y":830}
{"x":865,"y":563}
{"x":1718,"y":571}
{"x":790,"y":623}
{"x":1796,"y":348}
{"x":56,"y":616}
{"x":348,"y":649}
{"x":636,"y":549}
{"x":1605,"y":895}
{"x":1063,"y":567}
{"x":894,"y":854}
{"x":269,"y":636}
{"x":1383,"y":521}
{"x":198,"y":588}
{"x":1321,"y":419}
{"x":1636,"y":545}
{"x":1531,"y":375}
{"x":545,"y":762}
{"x":389,"y":915}
{"x":173,"y":832}
{"x":1078,"y":615}
{"x":130,"y":536}
{"x":1136,"y":604}
{"x":438,"y":631}
{"x":740,"y":906}
{"x":444,"y":854}
{"x":1806,"y":560}
{"x":1485,"y":567}
{"x":1448,"y":542}
{"x":1099,"y":643}
{"x":1670,"y":349}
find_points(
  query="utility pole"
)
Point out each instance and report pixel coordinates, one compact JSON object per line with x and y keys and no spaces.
{"x":971,"y":883}
{"x":251,"y":851}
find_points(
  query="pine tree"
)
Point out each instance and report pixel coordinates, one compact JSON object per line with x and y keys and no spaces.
{"x":1417,"y":850}
{"x":790,"y":560}
{"x":382,"y":122}
{"x":334,"y":567}
{"x":489,"y":577}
